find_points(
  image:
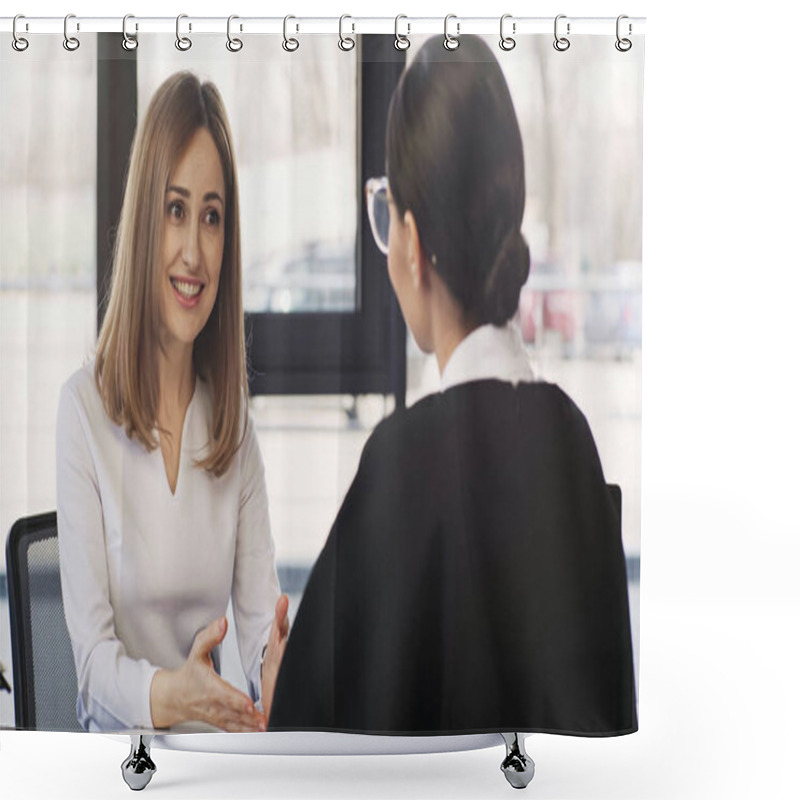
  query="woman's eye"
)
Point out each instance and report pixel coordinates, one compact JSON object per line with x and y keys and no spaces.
{"x":175,"y":209}
{"x":212,"y":217}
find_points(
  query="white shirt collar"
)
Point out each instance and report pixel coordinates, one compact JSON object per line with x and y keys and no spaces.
{"x":488,"y":352}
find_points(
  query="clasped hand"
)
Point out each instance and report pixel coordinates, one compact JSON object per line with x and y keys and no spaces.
{"x":196,"y":692}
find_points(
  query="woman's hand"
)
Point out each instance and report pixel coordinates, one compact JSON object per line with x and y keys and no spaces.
{"x":276,"y":646}
{"x":196,"y":692}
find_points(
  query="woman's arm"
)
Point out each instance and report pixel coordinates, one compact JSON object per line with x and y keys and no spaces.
{"x":113,"y":689}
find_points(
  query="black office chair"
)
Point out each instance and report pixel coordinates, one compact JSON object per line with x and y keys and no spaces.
{"x":45,"y":686}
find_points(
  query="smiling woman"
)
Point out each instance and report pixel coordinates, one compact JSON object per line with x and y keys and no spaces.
{"x":162,"y":505}
{"x":182,"y":157}
{"x":194,"y":238}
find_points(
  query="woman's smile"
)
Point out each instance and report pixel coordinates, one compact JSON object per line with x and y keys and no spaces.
{"x":187,"y":291}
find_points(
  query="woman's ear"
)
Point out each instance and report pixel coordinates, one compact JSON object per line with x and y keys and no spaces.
{"x":414,"y":254}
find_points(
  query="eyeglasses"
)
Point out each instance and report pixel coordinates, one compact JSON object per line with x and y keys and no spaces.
{"x":377,"y":191}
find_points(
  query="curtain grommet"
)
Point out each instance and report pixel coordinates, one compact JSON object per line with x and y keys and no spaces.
{"x":561,"y":43}
{"x":234,"y":43}
{"x":19,"y":43}
{"x":289,"y":44}
{"x":623,"y":44}
{"x":346,"y":43}
{"x":451,"y":42}
{"x":71,"y":43}
{"x":183,"y":43}
{"x":401,"y":42}
{"x":507,"y":42}
{"x":129,"y":42}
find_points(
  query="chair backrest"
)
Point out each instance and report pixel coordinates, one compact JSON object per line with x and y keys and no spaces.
{"x":45,"y":686}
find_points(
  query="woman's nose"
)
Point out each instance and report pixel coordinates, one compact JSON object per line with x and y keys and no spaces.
{"x":191,"y":246}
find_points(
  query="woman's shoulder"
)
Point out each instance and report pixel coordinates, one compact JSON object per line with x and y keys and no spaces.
{"x":537,"y":410}
{"x":426,"y":415}
{"x":433,"y":421}
{"x":548,"y":395}
{"x":80,"y":407}
{"x":410,"y":427}
{"x":81,"y":390}
{"x":539,"y":396}
{"x":554,"y":402}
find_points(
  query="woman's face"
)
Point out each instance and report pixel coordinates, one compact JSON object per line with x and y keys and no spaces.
{"x":405,"y":274}
{"x":193,"y":241}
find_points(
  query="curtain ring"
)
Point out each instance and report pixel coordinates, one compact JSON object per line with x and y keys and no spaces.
{"x":289,"y":44}
{"x":346,"y":43}
{"x":71,"y":43}
{"x":401,"y":42}
{"x":451,"y":42}
{"x":507,"y":42}
{"x":561,"y":43}
{"x":234,"y":44}
{"x":129,"y":42}
{"x":19,"y":43}
{"x":183,"y":43}
{"x":623,"y":45}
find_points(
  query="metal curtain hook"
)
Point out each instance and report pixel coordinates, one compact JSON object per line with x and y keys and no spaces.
{"x":289,"y":44}
{"x":507,"y":42}
{"x":19,"y":43}
{"x":401,"y":42}
{"x":345,"y":42}
{"x":182,"y":42}
{"x":71,"y":43}
{"x":451,"y":42}
{"x":623,"y":45}
{"x":561,"y":43}
{"x":128,"y":42}
{"x":234,"y":44}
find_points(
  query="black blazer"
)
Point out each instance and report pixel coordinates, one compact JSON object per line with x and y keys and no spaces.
{"x":474,"y":579}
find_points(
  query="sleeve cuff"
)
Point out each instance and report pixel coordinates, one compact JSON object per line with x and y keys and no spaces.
{"x":143,"y":706}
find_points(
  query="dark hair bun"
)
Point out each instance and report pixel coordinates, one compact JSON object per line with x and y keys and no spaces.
{"x":505,"y":279}
{"x":454,"y":158}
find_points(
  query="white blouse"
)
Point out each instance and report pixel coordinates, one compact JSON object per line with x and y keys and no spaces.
{"x":143,"y":570}
{"x":488,"y":352}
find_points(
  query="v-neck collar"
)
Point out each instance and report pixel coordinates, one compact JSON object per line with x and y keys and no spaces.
{"x":164,"y":476}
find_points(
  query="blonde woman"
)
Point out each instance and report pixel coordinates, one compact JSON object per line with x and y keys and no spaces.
{"x":162,"y":503}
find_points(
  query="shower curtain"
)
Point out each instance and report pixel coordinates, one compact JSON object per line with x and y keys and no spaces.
{"x":446,"y":571}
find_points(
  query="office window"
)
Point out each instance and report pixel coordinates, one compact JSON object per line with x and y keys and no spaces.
{"x":47,"y":270}
{"x":47,"y":257}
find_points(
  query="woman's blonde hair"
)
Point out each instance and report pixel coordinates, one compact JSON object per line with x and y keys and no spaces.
{"x":125,"y":366}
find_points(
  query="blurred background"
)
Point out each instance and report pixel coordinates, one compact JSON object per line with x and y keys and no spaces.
{"x":298,"y":121}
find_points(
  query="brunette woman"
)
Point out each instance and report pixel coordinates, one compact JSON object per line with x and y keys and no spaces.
{"x":474,"y":579}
